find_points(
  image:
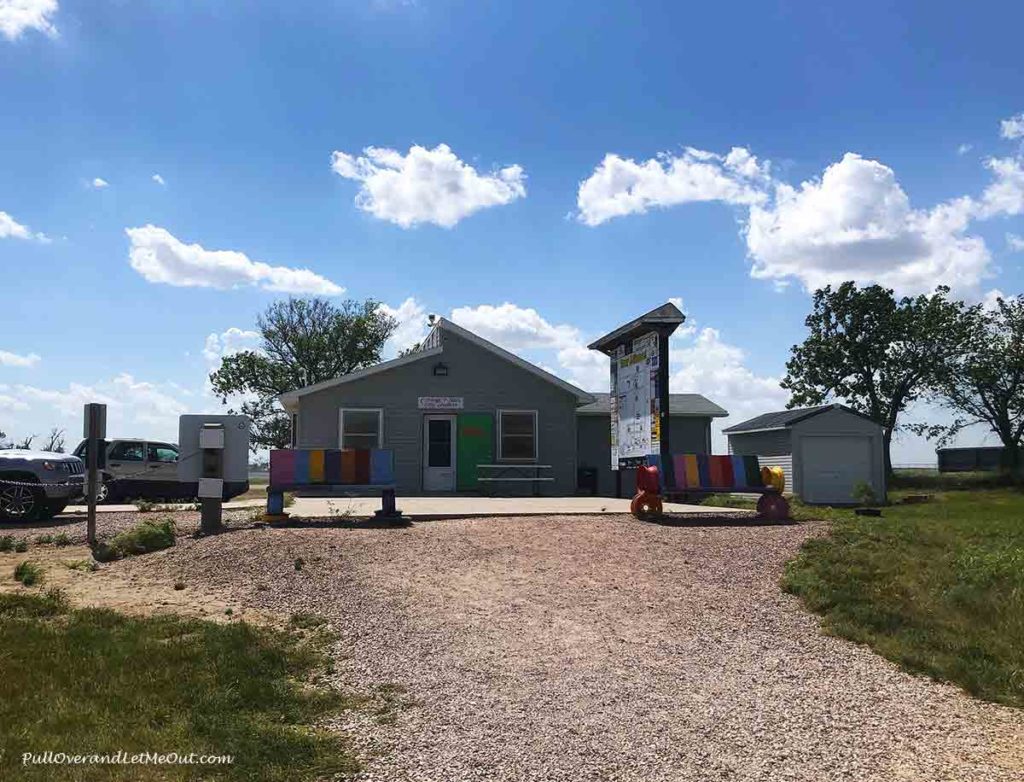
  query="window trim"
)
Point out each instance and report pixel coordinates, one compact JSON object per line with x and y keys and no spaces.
{"x":341,"y":423}
{"x":294,"y":421}
{"x":155,"y":445}
{"x":501,"y":436}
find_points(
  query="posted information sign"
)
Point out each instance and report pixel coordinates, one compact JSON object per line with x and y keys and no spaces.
{"x":634,"y":402}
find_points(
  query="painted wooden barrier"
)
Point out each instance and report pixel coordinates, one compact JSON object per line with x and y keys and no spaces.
{"x":700,"y":473}
{"x":331,"y":468}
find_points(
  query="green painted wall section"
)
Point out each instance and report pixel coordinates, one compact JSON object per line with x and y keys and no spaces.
{"x":474,"y":445}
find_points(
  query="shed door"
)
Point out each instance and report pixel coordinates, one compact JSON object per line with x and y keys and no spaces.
{"x":833,"y":465}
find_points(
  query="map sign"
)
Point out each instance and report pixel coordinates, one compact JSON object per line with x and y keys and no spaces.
{"x":634,"y":402}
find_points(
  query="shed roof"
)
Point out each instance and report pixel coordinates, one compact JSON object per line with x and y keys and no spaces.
{"x":678,"y":404}
{"x":783,"y":419}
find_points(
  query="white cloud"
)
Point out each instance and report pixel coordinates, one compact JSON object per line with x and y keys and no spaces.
{"x":11,"y":404}
{"x":1014,"y":242}
{"x":8,"y":359}
{"x":1012,"y":128}
{"x":412,"y":325}
{"x":159,"y":179}
{"x":991,"y":299}
{"x":99,"y":183}
{"x":857,"y":223}
{"x":160,"y":257}
{"x":426,"y":185}
{"x":621,"y":186}
{"x":135,"y":408}
{"x":12,"y":229}
{"x":515,"y":328}
{"x":234,"y":340}
{"x":1005,"y":196}
{"x":17,"y":16}
{"x":963,"y":149}
{"x":702,"y":362}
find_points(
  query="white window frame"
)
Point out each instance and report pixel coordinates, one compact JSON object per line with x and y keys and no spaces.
{"x":294,"y":421}
{"x":536,"y":435}
{"x":380,"y":423}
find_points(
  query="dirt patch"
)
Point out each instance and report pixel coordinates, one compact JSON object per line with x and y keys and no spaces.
{"x":132,"y":586}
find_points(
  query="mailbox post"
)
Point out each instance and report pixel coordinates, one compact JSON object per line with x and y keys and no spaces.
{"x":211,"y":480}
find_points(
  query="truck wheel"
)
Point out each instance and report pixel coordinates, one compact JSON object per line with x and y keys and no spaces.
{"x":102,"y":492}
{"x":19,"y":503}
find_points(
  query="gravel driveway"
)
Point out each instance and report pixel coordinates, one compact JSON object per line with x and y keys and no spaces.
{"x":600,"y":648}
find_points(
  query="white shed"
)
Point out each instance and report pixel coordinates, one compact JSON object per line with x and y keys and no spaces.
{"x":824,"y":451}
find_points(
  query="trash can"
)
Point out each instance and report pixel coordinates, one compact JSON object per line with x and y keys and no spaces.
{"x":586,"y":481}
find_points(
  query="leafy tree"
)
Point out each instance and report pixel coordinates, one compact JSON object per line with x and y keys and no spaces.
{"x":984,"y":382}
{"x":874,"y":352}
{"x":305,"y":341}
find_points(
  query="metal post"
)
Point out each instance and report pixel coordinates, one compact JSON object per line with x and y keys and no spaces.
{"x":211,"y":481}
{"x":95,"y":432}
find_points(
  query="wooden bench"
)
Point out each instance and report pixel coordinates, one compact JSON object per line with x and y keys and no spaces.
{"x":516,"y":475}
{"x":703,"y":474}
{"x":335,"y":471}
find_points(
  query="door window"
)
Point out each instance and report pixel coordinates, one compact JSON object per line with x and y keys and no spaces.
{"x":158,"y":452}
{"x":127,"y":452}
{"x":439,"y":443}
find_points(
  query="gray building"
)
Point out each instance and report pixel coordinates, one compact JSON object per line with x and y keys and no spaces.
{"x":464,"y":415}
{"x":824,"y":451}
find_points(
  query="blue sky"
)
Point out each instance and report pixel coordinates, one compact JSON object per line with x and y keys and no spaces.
{"x":544,"y":171}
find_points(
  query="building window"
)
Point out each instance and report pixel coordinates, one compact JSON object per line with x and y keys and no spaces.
{"x":295,"y":429}
{"x":517,"y":435}
{"x":361,"y":428}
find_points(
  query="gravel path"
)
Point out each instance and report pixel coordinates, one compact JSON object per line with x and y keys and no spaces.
{"x":600,"y":648}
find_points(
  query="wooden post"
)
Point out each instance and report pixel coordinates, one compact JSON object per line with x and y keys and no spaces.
{"x":95,"y":432}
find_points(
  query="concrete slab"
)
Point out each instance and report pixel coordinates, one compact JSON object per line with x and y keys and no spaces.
{"x":472,"y":507}
{"x":168,"y":506}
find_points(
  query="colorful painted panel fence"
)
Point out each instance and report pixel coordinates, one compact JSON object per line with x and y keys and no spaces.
{"x":351,"y":466}
{"x":727,"y":473}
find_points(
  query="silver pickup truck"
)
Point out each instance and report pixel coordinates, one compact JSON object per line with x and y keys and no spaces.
{"x":38,"y":485}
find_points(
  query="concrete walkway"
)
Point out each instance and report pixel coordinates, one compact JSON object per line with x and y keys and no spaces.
{"x":165,"y":506}
{"x":473,"y":507}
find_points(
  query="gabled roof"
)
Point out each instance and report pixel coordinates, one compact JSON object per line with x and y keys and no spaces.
{"x":446,"y":325}
{"x":666,"y":318}
{"x":678,"y":405}
{"x":784,"y":419}
{"x":436,"y":348}
{"x":292,"y":397}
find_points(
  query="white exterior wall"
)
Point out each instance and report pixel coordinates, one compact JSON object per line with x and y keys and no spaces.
{"x":836,"y":424}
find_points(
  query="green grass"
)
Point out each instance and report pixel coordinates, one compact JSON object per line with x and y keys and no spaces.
{"x":933,"y":480}
{"x":936,"y":587}
{"x":28,"y":573}
{"x":144,"y":537}
{"x":93,"y":681}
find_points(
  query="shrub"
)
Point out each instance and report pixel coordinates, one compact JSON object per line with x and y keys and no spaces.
{"x":7,"y":543}
{"x":28,"y":573}
{"x":44,"y":539}
{"x":143,"y":538}
{"x":21,"y":545}
{"x":62,"y":540}
{"x":22,"y":604}
{"x":85,"y":565}
{"x":299,"y":562}
{"x":144,"y":506}
{"x":863,"y":493}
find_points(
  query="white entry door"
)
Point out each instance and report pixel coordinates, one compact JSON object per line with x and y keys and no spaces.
{"x":439,"y":453}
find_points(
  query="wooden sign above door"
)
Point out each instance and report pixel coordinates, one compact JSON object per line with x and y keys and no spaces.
{"x":440,"y":402}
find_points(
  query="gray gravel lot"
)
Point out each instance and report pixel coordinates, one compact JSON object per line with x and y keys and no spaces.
{"x":599,"y":648}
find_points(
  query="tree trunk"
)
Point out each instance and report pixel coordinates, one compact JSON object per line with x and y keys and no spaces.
{"x":886,"y":448}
